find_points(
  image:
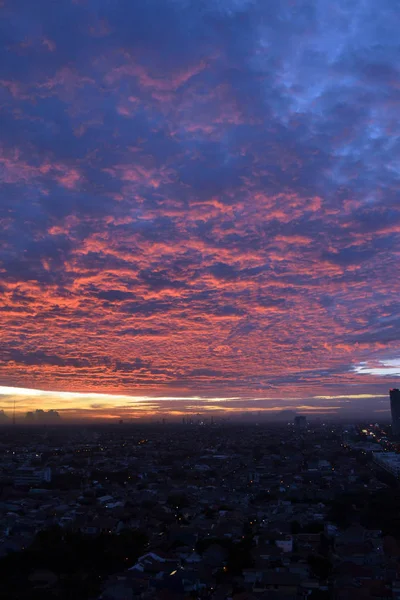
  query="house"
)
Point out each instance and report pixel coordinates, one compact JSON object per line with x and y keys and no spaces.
{"x":278,"y":581}
{"x":215,"y":555}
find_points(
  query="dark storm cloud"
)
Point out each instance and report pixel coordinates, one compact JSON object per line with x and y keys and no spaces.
{"x":224,"y":271}
{"x":134,"y":365}
{"x":114,"y":295}
{"x":349,"y":256}
{"x":38,"y":358}
{"x":159,"y":280}
{"x":205,"y":373}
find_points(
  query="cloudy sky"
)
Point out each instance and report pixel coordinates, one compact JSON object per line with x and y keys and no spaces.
{"x":199,"y":205}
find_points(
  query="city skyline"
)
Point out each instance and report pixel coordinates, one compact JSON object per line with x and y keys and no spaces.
{"x":199,"y":207}
{"x":19,"y":404}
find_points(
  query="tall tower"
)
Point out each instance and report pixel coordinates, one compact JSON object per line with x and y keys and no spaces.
{"x":395,"y":410}
{"x":300,"y":422}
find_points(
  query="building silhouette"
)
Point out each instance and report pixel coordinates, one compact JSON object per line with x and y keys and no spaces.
{"x":300,"y":422}
{"x":395,"y":411}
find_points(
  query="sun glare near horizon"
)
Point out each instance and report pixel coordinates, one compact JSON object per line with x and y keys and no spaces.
{"x":92,"y":405}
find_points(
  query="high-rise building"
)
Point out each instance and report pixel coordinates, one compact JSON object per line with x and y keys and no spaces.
{"x":300,"y":422}
{"x":395,"y":410}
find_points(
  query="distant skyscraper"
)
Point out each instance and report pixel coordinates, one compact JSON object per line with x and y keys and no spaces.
{"x":300,"y":422}
{"x":395,"y":410}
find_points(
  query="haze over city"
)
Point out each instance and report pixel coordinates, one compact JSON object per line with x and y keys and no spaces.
{"x":199,"y":208}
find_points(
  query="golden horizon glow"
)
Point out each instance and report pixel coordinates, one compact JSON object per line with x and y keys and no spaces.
{"x":176,"y":239}
{"x":100,"y":405}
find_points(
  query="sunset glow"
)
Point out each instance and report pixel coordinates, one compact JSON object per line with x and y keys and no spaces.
{"x":199,"y":209}
{"x":73,"y":406}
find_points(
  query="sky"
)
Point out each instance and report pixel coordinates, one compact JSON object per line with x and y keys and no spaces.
{"x":199,"y":206}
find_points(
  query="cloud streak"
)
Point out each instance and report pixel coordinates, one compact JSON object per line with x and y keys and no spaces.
{"x":75,"y":406}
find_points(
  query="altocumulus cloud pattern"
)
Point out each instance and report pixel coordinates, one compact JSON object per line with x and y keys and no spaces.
{"x":200,"y":197}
